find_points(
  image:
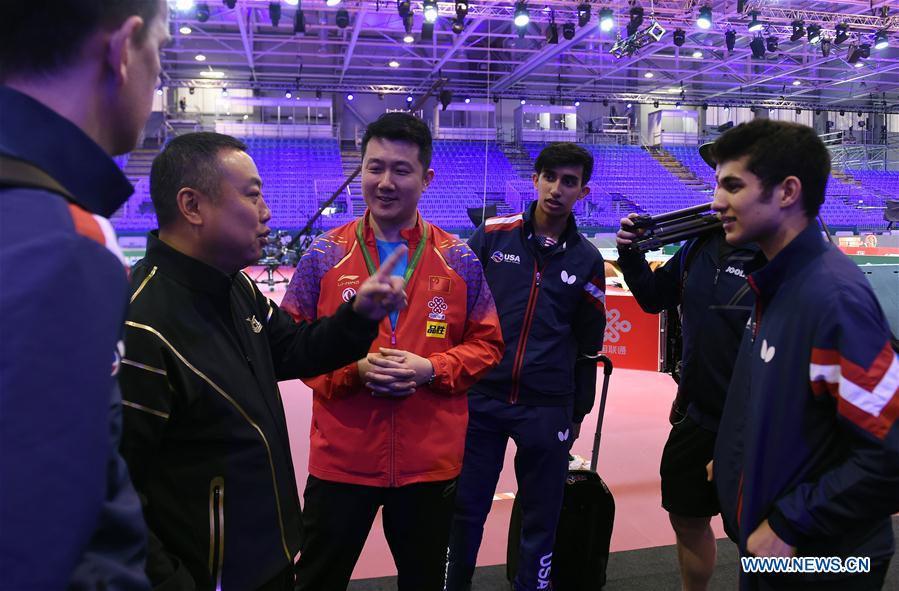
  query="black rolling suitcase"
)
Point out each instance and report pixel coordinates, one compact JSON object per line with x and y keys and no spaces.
{"x":581,"y":553}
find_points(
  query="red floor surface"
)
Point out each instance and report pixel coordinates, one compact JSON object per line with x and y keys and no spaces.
{"x":634,"y":432}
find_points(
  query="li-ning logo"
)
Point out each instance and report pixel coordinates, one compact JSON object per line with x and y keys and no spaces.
{"x":500,"y":257}
{"x":734,"y":271}
{"x":545,"y":569}
{"x":615,"y":326}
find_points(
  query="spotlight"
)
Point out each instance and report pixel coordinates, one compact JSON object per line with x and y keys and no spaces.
{"x":679,"y":37}
{"x":404,"y":7}
{"x":230,"y":4}
{"x":606,"y":19}
{"x":705,"y":106}
{"x":798,"y":111}
{"x":461,"y":9}
{"x":865,"y":50}
{"x":446,"y":97}
{"x":655,"y":104}
{"x":274,"y":13}
{"x":299,"y":22}
{"x":202,"y":12}
{"x":817,"y":111}
{"x":754,"y":23}
{"x":842,"y":33}
{"x":730,"y":39}
{"x":288,"y":94}
{"x":185,"y":30}
{"x":577,"y":103}
{"x":332,"y":2}
{"x":825,"y":47}
{"x":159,"y":91}
{"x":184,"y":5}
{"x":842,"y":113}
{"x":798,"y":31}
{"x":467,"y":100}
{"x":704,"y":20}
{"x":427,"y":31}
{"x":190,"y":89}
{"x":757,"y":45}
{"x":771,"y":43}
{"x":318,"y":93}
{"x":583,"y":14}
{"x":814,"y":34}
{"x":350,"y":97}
{"x":409,"y":98}
{"x":523,"y":102}
{"x":407,"y":26}
{"x":636,"y":13}
{"x":697,"y":54}
{"x":881,"y":40}
{"x":430,"y":10}
{"x":459,"y":26}
{"x":521,"y":15}
{"x":853,"y":54}
{"x":552,"y":33}
{"x":342,"y":18}
{"x":224,"y":91}
{"x":797,"y":82}
{"x":568,"y":31}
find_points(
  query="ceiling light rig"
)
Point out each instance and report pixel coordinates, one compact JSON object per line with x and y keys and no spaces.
{"x":522,"y":18}
{"x":583,"y":14}
{"x":704,"y":20}
{"x":814,"y":34}
{"x":430,"y":11}
{"x":798,"y":31}
{"x":606,"y":20}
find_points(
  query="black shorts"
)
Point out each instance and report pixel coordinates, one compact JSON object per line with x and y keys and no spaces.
{"x":685,"y":490}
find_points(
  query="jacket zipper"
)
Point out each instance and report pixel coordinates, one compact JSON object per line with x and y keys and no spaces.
{"x":216,"y":530}
{"x":526,"y":328}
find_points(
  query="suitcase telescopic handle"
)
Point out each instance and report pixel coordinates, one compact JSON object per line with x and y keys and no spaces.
{"x":607,"y":372}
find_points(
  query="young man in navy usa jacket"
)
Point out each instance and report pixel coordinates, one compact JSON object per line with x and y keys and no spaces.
{"x":807,"y":457}
{"x":549,"y":286}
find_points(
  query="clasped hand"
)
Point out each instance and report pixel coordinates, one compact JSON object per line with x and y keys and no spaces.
{"x":394,"y":373}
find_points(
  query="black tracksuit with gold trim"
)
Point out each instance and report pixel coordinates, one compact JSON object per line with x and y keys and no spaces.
{"x":205,"y":433}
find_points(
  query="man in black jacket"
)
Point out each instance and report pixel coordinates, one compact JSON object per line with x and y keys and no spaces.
{"x":705,"y":280}
{"x":205,"y":433}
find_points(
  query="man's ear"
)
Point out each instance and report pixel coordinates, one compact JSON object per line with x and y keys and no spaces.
{"x":790,"y":192}
{"x":190,"y":205}
{"x":121,"y":44}
{"x":585,"y":190}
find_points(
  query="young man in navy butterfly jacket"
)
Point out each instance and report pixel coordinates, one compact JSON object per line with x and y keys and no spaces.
{"x":807,"y":457}
{"x":549,"y":286}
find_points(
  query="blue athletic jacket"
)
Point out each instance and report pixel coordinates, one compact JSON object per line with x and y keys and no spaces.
{"x":809,"y":438}
{"x":715,"y":301}
{"x":551,"y":308}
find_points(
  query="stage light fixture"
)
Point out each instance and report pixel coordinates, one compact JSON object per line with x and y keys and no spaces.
{"x":458,"y":25}
{"x":771,"y":44}
{"x":697,"y":54}
{"x":430,"y":10}
{"x":704,"y":20}
{"x":754,"y":23}
{"x":427,"y":31}
{"x":202,"y":12}
{"x":842,"y":33}
{"x":224,"y":91}
{"x":185,"y":30}
{"x":636,"y":14}
{"x":568,"y":31}
{"x":606,"y":20}
{"x":583,"y":14}
{"x":817,"y":111}
{"x":342,"y":18}
{"x":814,"y":34}
{"x":798,"y":111}
{"x":577,"y":103}
{"x":798,"y":31}
{"x":288,"y":94}
{"x":230,"y":4}
{"x":655,"y":104}
{"x":757,"y":45}
{"x":446,"y":97}
{"x":730,"y":39}
{"x":184,"y":5}
{"x":318,"y":93}
{"x":825,"y":47}
{"x":274,"y":13}
{"x":627,"y":47}
{"x":409,"y":98}
{"x":467,"y":100}
{"x":679,"y":37}
{"x":299,"y":22}
{"x":881,"y":40}
{"x":462,"y":8}
{"x":522,"y":18}
{"x":404,"y":7}
{"x":407,"y":26}
{"x":865,"y":50}
{"x":332,"y":2}
{"x":350,"y":97}
{"x":797,"y":82}
{"x":552,"y":33}
{"x":853,"y":55}
{"x":523,"y":102}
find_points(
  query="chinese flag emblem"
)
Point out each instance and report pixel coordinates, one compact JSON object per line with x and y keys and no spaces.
{"x":439,"y":283}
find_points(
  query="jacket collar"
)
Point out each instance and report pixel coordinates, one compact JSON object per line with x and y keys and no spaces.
{"x":37,"y":134}
{"x":187,"y":270}
{"x":411,"y":235}
{"x":794,"y":257}
{"x":570,"y":234}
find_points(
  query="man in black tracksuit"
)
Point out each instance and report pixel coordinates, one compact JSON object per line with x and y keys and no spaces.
{"x":705,"y":279}
{"x":205,"y":433}
{"x":549,"y":286}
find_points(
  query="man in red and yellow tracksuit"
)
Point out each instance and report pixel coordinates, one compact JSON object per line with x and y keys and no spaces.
{"x":389,"y":430}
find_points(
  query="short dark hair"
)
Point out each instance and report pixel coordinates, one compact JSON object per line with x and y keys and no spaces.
{"x":189,"y":160}
{"x":776,"y":150}
{"x":405,"y":127}
{"x":38,"y":40}
{"x":565,"y":154}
